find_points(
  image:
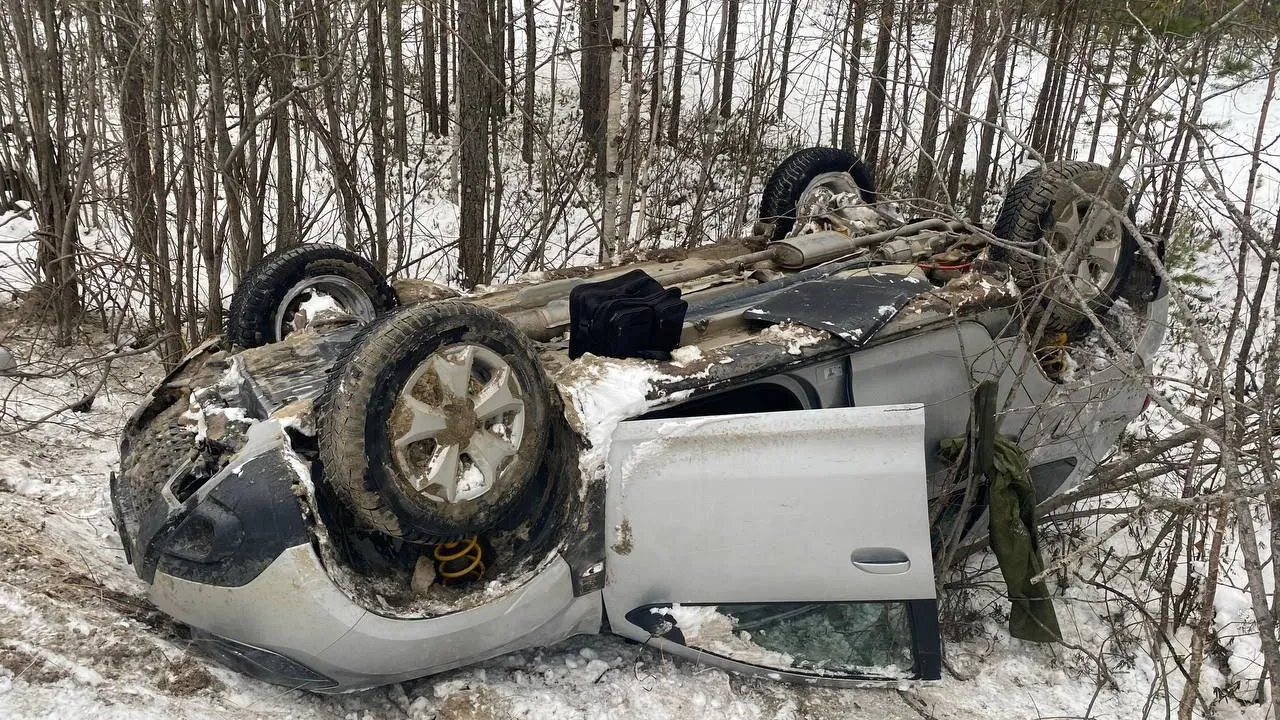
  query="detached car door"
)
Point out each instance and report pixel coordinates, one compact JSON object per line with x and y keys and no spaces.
{"x":784,"y":543}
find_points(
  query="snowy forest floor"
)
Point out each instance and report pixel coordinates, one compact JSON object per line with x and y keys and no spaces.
{"x":79,"y":639}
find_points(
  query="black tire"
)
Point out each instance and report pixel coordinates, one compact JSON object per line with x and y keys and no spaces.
{"x":254,"y":316}
{"x":788,"y":182}
{"x":1028,"y":213}
{"x":361,"y":396}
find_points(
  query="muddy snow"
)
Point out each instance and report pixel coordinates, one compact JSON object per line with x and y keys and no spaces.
{"x":599,"y":393}
{"x":792,"y":336}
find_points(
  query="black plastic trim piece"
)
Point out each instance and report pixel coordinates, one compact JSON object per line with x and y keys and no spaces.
{"x":1049,"y":476}
{"x":117,"y":517}
{"x":585,"y":550}
{"x":926,"y":639}
{"x":265,"y":665}
{"x":765,"y":396}
{"x":657,"y":624}
{"x":226,"y":538}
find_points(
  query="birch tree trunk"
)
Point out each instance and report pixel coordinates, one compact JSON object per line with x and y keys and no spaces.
{"x":629,"y":185}
{"x":610,"y":243}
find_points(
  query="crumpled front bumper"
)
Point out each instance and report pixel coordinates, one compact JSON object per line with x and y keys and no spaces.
{"x":235,"y":561}
{"x":222,"y":531}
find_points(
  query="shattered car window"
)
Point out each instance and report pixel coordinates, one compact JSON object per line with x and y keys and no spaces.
{"x":860,"y":639}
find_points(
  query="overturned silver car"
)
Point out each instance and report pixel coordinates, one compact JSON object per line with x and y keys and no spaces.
{"x":364,"y":483}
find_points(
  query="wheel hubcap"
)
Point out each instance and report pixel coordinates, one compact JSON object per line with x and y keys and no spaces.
{"x":827,"y":201}
{"x":1096,"y":268}
{"x":458,"y":423}
{"x":321,"y":292}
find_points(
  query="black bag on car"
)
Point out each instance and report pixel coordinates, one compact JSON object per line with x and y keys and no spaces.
{"x":631,"y":315}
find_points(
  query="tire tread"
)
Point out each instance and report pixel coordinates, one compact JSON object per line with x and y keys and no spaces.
{"x":251,"y":313}
{"x":1021,"y":221}
{"x":342,"y":414}
{"x":788,"y":181}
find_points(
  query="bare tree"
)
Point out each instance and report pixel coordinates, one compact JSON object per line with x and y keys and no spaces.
{"x":530,"y":66}
{"x":927,"y":168}
{"x":788,"y":38}
{"x":857,"y":10}
{"x":730,"y":57}
{"x":986,"y":153}
{"x":61,"y":162}
{"x":596,"y":25}
{"x":879,"y":80}
{"x":677,"y":83}
{"x":475,"y":107}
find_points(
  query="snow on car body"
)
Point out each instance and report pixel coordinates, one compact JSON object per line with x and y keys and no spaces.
{"x":759,"y":501}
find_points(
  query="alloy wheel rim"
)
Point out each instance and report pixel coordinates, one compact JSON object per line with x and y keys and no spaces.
{"x":1092,"y":275}
{"x":825,"y":199}
{"x":349,"y":296}
{"x":458,"y":423}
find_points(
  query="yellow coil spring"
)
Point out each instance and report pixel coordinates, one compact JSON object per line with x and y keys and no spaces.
{"x":1052,"y":354}
{"x":459,"y":560}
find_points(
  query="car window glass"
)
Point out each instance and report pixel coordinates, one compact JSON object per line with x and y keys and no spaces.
{"x":854,"y":639}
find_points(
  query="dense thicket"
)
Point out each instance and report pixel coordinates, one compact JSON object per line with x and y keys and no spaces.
{"x":188,"y":139}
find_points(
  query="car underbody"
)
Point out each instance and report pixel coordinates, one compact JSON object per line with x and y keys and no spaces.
{"x":803,"y":406}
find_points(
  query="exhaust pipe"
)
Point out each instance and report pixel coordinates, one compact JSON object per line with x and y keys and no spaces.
{"x":806,"y":251}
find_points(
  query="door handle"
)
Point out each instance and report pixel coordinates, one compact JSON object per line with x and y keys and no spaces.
{"x":881,"y":560}
{"x":883,"y":568}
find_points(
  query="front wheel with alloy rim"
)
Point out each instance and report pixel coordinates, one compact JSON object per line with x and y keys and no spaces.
{"x":1046,"y":222}
{"x":434,"y":422}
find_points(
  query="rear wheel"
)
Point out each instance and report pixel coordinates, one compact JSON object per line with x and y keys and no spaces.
{"x":307,"y":279}
{"x":434,"y":423}
{"x":1044,"y":214}
{"x":816,"y":186}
